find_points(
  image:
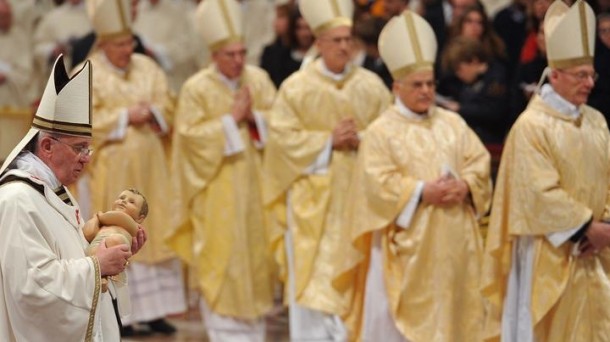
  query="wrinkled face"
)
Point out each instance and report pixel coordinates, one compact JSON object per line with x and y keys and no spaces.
{"x":119,"y":51}
{"x":335,"y":47}
{"x":65,"y":155}
{"x":574,"y":84}
{"x":468,"y":72}
{"x":394,"y":7}
{"x":130,"y":204}
{"x":416,"y":90}
{"x":472,"y":26}
{"x":231,"y":59}
{"x":603,"y":29}
{"x":303,"y":34}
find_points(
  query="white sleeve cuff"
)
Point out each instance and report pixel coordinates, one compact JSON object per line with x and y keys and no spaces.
{"x":559,"y":238}
{"x":406,"y":215}
{"x":233,"y":142}
{"x":320,"y":165}
{"x":121,"y":128}
{"x":159,"y":119}
{"x":261,"y":127}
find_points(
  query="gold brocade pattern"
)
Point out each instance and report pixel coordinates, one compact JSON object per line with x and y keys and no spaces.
{"x":138,"y":160}
{"x":308,"y":107}
{"x":222,"y":229}
{"x":431,"y":268}
{"x":553,"y":177}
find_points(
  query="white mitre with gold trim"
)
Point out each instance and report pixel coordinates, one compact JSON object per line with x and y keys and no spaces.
{"x":569,"y":34}
{"x":65,"y":107}
{"x":220,"y":23}
{"x":407,"y":44}
{"x":322,"y":15}
{"x":110,"y":18}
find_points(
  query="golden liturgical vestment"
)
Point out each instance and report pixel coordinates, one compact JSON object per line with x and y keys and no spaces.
{"x":554,"y":177}
{"x":431,"y":268}
{"x":308,"y":108}
{"x":221,"y":229}
{"x":138,"y":158}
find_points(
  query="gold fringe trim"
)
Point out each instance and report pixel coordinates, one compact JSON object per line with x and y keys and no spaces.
{"x":62,"y":127}
{"x":336,"y":22}
{"x":221,"y":43}
{"x":96,"y":297}
{"x":570,"y":62}
{"x":411,"y":68}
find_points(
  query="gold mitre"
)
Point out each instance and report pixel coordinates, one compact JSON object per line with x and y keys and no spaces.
{"x":569,"y":34}
{"x":110,"y":18}
{"x":65,"y":107}
{"x":219,"y":23}
{"x":407,"y":44}
{"x":323,"y":15}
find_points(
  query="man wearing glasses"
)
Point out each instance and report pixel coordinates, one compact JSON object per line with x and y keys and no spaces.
{"x":547,"y":250}
{"x":49,"y":289}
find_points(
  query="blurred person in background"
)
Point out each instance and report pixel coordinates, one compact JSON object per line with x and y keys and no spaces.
{"x":166,"y":37}
{"x":320,"y":113}
{"x":16,"y":62}
{"x":220,"y":136}
{"x":547,"y":249}
{"x":600,"y":96}
{"x":55,"y":34}
{"x":476,"y":87}
{"x":410,"y":261}
{"x":294,"y":39}
{"x":366,"y":53}
{"x":132,"y":119}
{"x":526,"y":79}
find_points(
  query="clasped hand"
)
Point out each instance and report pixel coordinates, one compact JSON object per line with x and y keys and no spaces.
{"x":345,"y":135}
{"x":445,"y":191}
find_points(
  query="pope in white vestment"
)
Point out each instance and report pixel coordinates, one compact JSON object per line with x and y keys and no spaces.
{"x":49,"y":289}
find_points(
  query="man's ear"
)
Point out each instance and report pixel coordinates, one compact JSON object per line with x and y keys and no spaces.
{"x":44,"y":145}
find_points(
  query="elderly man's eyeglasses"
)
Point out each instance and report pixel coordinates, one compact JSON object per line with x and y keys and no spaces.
{"x":582,"y":75}
{"x":80,"y":150}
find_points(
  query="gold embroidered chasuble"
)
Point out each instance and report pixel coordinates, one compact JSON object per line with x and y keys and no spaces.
{"x":553,"y":177}
{"x":222,"y":229}
{"x":138,"y":159}
{"x":432,"y":267}
{"x":308,"y":107}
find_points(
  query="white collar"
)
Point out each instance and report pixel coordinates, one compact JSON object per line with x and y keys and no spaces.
{"x":233,"y":84}
{"x":337,"y":77}
{"x":555,"y":101}
{"x":105,"y":59}
{"x":406,"y":112}
{"x":30,"y":163}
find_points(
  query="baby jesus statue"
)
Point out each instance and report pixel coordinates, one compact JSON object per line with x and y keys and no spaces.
{"x":117,"y":226}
